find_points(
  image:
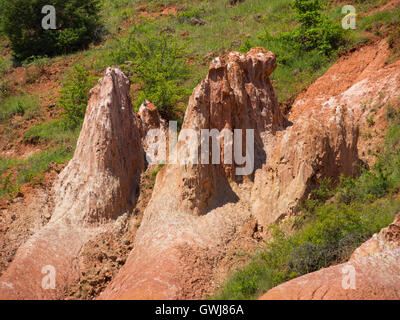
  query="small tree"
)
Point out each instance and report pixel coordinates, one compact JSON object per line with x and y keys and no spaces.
{"x":316,"y":31}
{"x":158,"y":65}
{"x":78,"y":24}
{"x":74,"y":95}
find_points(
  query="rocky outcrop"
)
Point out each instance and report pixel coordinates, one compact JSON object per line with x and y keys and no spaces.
{"x":387,"y":239}
{"x":371,"y":273}
{"x":236,"y":95}
{"x":361,"y":85}
{"x":324,"y":140}
{"x":96,"y":188}
{"x":321,"y":143}
{"x":361,"y":82}
{"x":194,"y":211}
{"x":198,"y":208}
{"x":101,"y":180}
{"x":153,"y":131}
{"x":375,"y":278}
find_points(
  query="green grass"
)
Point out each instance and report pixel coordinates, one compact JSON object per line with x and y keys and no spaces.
{"x":30,"y":169}
{"x":238,"y":28}
{"x":22,"y":105}
{"x":327,"y":233}
{"x":54,"y":131}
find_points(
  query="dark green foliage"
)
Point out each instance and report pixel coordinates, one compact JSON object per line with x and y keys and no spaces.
{"x":157,"y":63}
{"x":74,"y":95}
{"x":78,"y":24}
{"x":315,"y":32}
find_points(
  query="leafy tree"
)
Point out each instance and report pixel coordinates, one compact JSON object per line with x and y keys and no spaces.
{"x":78,"y":24}
{"x":316,"y":31}
{"x":74,"y":95}
{"x":158,"y":65}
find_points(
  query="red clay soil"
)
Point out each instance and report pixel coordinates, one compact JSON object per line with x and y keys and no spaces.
{"x":352,"y":67}
{"x":24,"y":215}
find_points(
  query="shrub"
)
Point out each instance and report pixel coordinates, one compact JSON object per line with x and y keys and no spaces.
{"x":74,"y":95}
{"x":316,"y":31}
{"x":158,"y":65}
{"x":78,"y":24}
{"x":303,"y":52}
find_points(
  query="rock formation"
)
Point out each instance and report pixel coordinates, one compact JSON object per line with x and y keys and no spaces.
{"x":324,"y":140}
{"x":96,"y":188}
{"x":375,"y":267}
{"x":197,"y":209}
{"x":153,"y":131}
{"x":387,"y":239}
{"x":363,"y":85}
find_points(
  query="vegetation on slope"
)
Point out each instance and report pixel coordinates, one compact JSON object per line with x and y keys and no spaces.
{"x":78,"y":24}
{"x":336,"y":221}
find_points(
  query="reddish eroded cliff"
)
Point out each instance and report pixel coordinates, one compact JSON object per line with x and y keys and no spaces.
{"x":96,"y":188}
{"x":197,"y":209}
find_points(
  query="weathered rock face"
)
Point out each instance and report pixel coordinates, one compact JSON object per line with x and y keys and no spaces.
{"x":98,"y":185}
{"x":376,"y":278}
{"x":360,"y":81}
{"x":324,"y":140}
{"x":153,"y":131}
{"x":322,"y":143}
{"x":387,"y":239}
{"x":364,"y":86}
{"x":101,"y":181}
{"x":374,"y":268}
{"x":237,"y":94}
{"x":196,"y":209}
{"x":149,"y":118}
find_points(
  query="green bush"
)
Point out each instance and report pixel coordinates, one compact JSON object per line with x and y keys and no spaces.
{"x":157,"y":63}
{"x":303,"y":52}
{"x":315,"y":32}
{"x":74,"y":95}
{"x":78,"y":24}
